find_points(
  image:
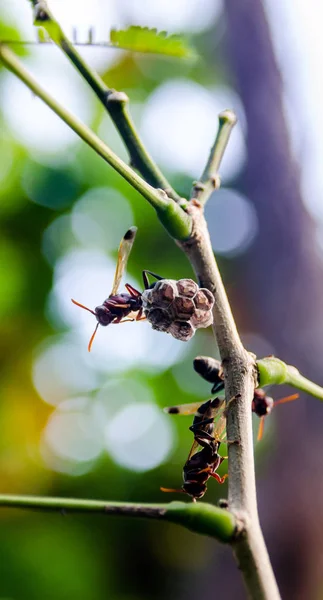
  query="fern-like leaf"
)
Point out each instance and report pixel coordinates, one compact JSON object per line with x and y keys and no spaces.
{"x":143,"y":39}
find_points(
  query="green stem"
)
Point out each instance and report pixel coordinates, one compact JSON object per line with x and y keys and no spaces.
{"x":199,"y":517}
{"x":210,"y":180}
{"x":114,"y":102}
{"x":272,"y":370}
{"x":174,"y":218}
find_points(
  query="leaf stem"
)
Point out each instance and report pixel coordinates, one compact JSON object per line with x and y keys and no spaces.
{"x":174,"y":218}
{"x":114,"y":102}
{"x":199,"y":517}
{"x":210,"y":180}
{"x":272,"y":370}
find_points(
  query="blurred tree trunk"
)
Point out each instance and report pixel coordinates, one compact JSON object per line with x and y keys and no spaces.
{"x":279,"y":284}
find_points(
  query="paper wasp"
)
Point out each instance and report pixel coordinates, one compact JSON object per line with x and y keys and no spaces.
{"x":262,"y":406}
{"x":120,"y":308}
{"x":209,"y":432}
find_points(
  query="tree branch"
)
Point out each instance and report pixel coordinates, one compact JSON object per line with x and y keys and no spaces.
{"x":240,"y":380}
{"x":199,"y":517}
{"x":174,"y":218}
{"x":210,"y":179}
{"x":190,"y":229}
{"x":114,"y":102}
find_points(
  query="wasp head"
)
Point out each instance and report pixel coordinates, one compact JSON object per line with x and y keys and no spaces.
{"x":262,"y":405}
{"x":103,"y":315}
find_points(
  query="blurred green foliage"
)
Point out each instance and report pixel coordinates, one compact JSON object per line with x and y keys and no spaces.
{"x":143,"y":39}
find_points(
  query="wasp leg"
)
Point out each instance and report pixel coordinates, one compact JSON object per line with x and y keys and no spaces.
{"x":199,"y":426}
{"x":145,"y":274}
{"x":172,"y":490}
{"x":218,"y":387}
{"x":218,"y":477}
{"x":116,"y":305}
{"x":120,"y":320}
{"x":126,"y":321}
{"x":140,"y":316}
{"x":261,"y":429}
{"x":204,"y":439}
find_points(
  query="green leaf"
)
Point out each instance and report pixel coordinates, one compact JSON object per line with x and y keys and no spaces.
{"x":143,"y":39}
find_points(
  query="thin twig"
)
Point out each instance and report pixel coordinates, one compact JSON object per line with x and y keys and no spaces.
{"x":173,"y":217}
{"x":114,"y":102}
{"x":272,"y":370}
{"x":199,"y":517}
{"x":210,"y":179}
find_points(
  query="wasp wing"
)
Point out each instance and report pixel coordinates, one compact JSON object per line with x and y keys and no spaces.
{"x":123,"y":255}
{"x":220,"y":422}
{"x":193,"y":450}
{"x":183,"y":409}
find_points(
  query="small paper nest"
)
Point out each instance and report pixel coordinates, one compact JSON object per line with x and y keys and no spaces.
{"x":178,"y":307}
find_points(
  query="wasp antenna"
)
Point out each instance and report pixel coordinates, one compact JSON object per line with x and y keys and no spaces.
{"x":82,"y":306}
{"x":287,"y":399}
{"x":92,"y":338}
{"x":261,"y":429}
{"x":130,"y":234}
{"x":180,"y":491}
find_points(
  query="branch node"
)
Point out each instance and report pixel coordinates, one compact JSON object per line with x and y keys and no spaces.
{"x":116,"y":97}
{"x":210,"y":179}
{"x":162,"y":193}
{"x":242,"y":522}
{"x":40,"y":14}
{"x":215,"y":180}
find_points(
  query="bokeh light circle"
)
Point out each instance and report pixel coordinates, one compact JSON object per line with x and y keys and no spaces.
{"x":179,"y":16}
{"x":72,"y":433}
{"x":94,"y":225}
{"x":183,"y":117}
{"x":139,"y":437}
{"x":45,"y":135}
{"x":232,"y":221}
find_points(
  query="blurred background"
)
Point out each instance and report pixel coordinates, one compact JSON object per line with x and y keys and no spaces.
{"x":91,"y":425}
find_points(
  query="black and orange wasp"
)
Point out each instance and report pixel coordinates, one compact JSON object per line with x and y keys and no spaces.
{"x":262,"y":405}
{"x":121,"y":307}
{"x":209,"y":432}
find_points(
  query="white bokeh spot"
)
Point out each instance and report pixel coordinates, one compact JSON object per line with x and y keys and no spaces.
{"x":45,"y":135}
{"x":139,"y":437}
{"x":232,"y":221}
{"x":179,"y":124}
{"x":94,"y":224}
{"x":179,"y":16}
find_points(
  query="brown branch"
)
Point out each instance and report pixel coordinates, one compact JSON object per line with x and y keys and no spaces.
{"x":240,"y":378}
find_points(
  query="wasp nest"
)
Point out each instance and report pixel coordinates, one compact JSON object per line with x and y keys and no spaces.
{"x":178,"y":307}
